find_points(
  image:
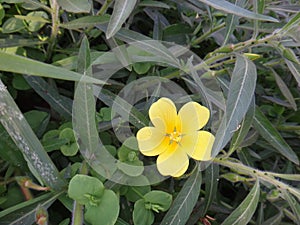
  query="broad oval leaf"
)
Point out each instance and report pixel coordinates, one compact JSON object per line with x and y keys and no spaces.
{"x":236,"y":10}
{"x":243,"y":213}
{"x":271,"y":135}
{"x":185,"y":201}
{"x":121,"y":12}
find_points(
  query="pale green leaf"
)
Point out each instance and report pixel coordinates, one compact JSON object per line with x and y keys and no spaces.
{"x":241,"y":92}
{"x":295,"y":206}
{"x":236,"y":10}
{"x":231,"y":22}
{"x":122,"y":10}
{"x":271,"y":135}
{"x":185,"y":201}
{"x":19,"y":64}
{"x":284,"y":90}
{"x":85,"y":21}
{"x":75,"y":6}
{"x":244,"y":212}
{"x":18,"y":128}
{"x":84,"y":122}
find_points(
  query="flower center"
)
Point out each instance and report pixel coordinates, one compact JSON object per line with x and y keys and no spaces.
{"x":175,"y":136}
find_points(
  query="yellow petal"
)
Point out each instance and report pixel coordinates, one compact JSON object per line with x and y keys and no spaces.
{"x":151,"y":141}
{"x":198,"y":145}
{"x":164,"y":110}
{"x":173,"y":162}
{"x":192,"y":117}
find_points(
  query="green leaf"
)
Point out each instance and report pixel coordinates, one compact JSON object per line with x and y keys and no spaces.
{"x":59,"y":103}
{"x":185,"y":201}
{"x":158,"y":200}
{"x":295,"y":206}
{"x":37,"y":159}
{"x":150,"y":3}
{"x":75,"y":6}
{"x":241,"y":92}
{"x":12,"y":25}
{"x":71,"y":147}
{"x":20,"y":83}
{"x":85,"y":21}
{"x":85,"y":189}
{"x":243,"y":130}
{"x":295,"y":70}
{"x":274,"y":220}
{"x":24,"y":213}
{"x":141,"y":215}
{"x":18,"y":41}
{"x":294,"y":22}
{"x":271,"y":135}
{"x":211,"y":185}
{"x":107,"y":211}
{"x":122,"y":10}
{"x":19,"y":64}
{"x":38,"y":120}
{"x":236,"y":10}
{"x":244,"y":212}
{"x":84,"y":120}
{"x":2,"y":13}
{"x":231,"y":22}
{"x":36,"y":20}
{"x":284,"y":90}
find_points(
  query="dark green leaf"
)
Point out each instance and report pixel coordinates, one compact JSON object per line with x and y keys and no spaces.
{"x":244,"y":212}
{"x":185,"y":201}
{"x":271,"y":135}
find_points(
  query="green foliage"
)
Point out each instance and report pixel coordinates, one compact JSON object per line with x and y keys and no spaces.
{"x":76,"y":84}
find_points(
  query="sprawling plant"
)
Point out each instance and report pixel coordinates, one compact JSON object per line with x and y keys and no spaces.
{"x":149,"y":112}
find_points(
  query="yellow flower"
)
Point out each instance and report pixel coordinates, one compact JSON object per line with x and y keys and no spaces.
{"x":174,"y":137}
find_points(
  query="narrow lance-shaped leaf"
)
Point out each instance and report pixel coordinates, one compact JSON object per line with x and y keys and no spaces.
{"x":244,"y":212}
{"x":295,"y":206}
{"x":18,"y":128}
{"x":231,"y":22}
{"x":185,"y":201}
{"x":284,"y":90}
{"x":243,"y":130}
{"x":22,"y":65}
{"x":75,"y":6}
{"x":271,"y":135}
{"x":121,"y":12}
{"x":241,"y":92}
{"x":59,"y":103}
{"x":236,"y":10}
{"x":84,"y":123}
{"x":24,"y":213}
{"x":211,"y":185}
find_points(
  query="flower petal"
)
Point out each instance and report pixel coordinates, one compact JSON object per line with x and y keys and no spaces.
{"x":173,"y":162}
{"x":192,"y":117}
{"x":151,"y":141}
{"x":198,"y":145}
{"x":164,"y":110}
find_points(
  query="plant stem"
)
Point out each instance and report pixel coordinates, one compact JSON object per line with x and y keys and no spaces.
{"x":257,"y":174}
{"x":55,"y":27}
{"x":104,"y":7}
{"x":77,"y":212}
{"x":206,"y":34}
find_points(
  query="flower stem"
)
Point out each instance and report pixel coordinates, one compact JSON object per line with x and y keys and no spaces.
{"x":77,"y":212}
{"x":265,"y":176}
{"x":55,"y":27}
